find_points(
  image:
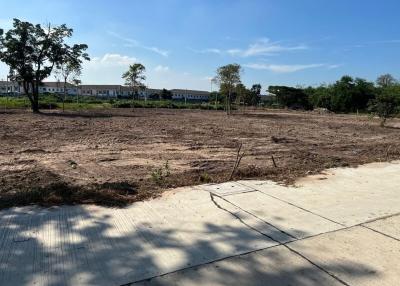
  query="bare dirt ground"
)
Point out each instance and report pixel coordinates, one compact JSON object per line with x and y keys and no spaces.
{"x":113,"y":157}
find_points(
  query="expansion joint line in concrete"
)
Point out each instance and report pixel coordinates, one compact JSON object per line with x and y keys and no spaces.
{"x":296,"y":206}
{"x":278,"y":242}
{"x":379,"y":232}
{"x":249,"y":213}
{"x":323,"y":217}
{"x":285,"y":244}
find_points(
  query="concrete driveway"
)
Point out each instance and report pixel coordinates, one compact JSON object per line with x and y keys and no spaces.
{"x":339,"y":228}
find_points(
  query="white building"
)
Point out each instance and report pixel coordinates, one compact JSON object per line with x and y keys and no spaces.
{"x":9,"y":88}
{"x":104,"y":91}
{"x":57,"y":88}
{"x":197,"y":95}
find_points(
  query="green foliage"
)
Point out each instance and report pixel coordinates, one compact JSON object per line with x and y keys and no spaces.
{"x":205,"y":177}
{"x":228,"y":77}
{"x":387,"y":103}
{"x":255,"y":95}
{"x":386,"y":80}
{"x":348,"y":94}
{"x":290,"y":97}
{"x":32,"y":51}
{"x":135,"y":77}
{"x":216,"y":97}
{"x":159,"y":175}
{"x":166,"y":94}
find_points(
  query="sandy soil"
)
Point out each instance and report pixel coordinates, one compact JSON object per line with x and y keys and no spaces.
{"x":112,"y":156}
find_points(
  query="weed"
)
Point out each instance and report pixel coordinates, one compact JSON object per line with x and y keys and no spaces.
{"x":159,"y":175}
{"x":205,"y":178}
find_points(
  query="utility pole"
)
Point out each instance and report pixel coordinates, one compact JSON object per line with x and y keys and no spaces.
{"x":185,"y":96}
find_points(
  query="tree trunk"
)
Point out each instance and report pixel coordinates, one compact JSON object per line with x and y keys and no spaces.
{"x":35,"y":105}
{"x":65,"y":92}
{"x":228,"y":103}
{"x":33,"y":97}
{"x":133,"y":98}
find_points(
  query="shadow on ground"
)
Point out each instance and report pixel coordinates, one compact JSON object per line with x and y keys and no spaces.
{"x":76,"y":246}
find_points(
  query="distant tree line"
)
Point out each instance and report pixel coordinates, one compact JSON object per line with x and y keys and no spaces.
{"x":344,"y":96}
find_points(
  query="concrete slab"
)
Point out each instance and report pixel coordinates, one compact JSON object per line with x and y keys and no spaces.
{"x":348,"y":195}
{"x":296,"y":222}
{"x":90,"y":245}
{"x":273,"y":267}
{"x":358,"y":256}
{"x":389,"y":226}
{"x":226,"y":189}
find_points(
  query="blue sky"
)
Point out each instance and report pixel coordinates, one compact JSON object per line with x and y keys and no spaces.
{"x":183,"y":42}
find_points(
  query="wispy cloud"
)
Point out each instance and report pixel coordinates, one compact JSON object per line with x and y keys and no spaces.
{"x":207,"y":51}
{"x":261,"y":47}
{"x":278,"y":68}
{"x":335,"y":66}
{"x":265,"y":47}
{"x":161,"y":68}
{"x":134,"y":43}
{"x":110,"y":59}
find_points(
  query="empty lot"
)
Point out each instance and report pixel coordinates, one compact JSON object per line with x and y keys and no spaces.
{"x":113,"y":156}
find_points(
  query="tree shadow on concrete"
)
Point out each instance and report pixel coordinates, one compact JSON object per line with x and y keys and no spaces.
{"x":89,"y":245}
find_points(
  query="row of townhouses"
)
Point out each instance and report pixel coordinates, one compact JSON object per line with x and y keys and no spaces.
{"x":102,"y":91}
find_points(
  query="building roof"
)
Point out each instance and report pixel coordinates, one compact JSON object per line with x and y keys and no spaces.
{"x":55,"y":84}
{"x":188,"y":91}
{"x":59,"y":84}
{"x":100,"y":86}
{"x":3,"y":82}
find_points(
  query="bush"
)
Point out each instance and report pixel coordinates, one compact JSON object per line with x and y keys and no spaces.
{"x":386,"y":104}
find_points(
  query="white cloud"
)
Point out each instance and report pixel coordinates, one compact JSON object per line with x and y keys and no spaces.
{"x":132,"y":43}
{"x":159,"y":51}
{"x":106,"y":69}
{"x":207,"y":51}
{"x":331,"y":67}
{"x":161,"y":68}
{"x":112,"y":60}
{"x":234,"y":52}
{"x":283,"y":68}
{"x":262,"y":47}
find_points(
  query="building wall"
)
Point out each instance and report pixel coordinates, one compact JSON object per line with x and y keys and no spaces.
{"x":9,"y":88}
{"x":106,"y":91}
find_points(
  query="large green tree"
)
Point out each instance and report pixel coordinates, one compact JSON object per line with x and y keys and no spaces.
{"x":228,"y":77}
{"x":349,"y":95}
{"x":32,"y":52}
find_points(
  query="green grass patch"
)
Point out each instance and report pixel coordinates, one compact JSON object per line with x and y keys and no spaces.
{"x":88,"y":103}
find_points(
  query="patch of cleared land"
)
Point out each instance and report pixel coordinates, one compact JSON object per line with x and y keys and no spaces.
{"x":112,"y":156}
